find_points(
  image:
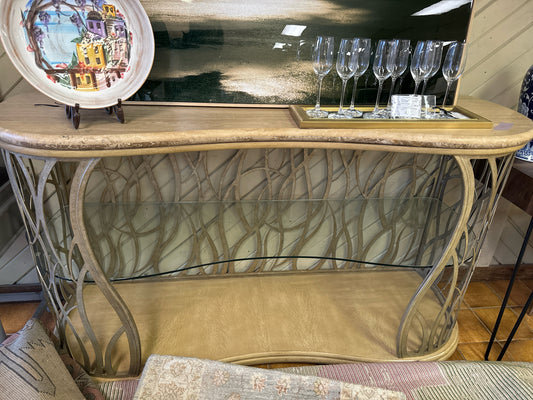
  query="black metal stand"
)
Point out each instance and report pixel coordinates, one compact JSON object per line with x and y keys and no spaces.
{"x":73,"y":113}
{"x":506,"y":298}
{"x":516,"y":325}
{"x":119,"y":111}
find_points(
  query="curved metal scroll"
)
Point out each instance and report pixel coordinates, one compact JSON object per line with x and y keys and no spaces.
{"x":91,"y":265}
{"x":480,"y":193}
{"x":73,"y":255}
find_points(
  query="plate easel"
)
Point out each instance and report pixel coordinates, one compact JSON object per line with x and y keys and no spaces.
{"x":73,"y":113}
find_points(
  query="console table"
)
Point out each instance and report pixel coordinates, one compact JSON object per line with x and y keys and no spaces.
{"x":229,"y":233}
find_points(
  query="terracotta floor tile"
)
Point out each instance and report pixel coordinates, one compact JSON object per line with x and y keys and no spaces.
{"x":521,"y":350}
{"x":528,"y":319}
{"x":456,"y":356}
{"x":519,"y":294}
{"x":470,"y":328}
{"x":479,"y":294}
{"x":488,"y":317}
{"x":15,"y":315}
{"x":528,"y":283}
{"x":476,"y":351}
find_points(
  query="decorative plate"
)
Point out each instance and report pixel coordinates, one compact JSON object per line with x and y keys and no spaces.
{"x":89,"y":52}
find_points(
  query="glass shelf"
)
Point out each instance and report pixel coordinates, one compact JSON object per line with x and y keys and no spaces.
{"x":150,"y":239}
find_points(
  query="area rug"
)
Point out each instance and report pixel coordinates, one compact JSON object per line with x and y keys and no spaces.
{"x":169,"y":377}
{"x":443,"y":380}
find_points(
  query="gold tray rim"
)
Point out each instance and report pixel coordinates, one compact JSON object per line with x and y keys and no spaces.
{"x":475,"y":121}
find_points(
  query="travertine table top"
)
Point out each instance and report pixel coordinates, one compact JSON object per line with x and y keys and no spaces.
{"x":32,"y":124}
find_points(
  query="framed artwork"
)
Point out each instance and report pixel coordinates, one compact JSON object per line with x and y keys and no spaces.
{"x":259,"y":51}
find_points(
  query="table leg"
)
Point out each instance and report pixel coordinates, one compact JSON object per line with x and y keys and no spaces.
{"x":440,"y":326}
{"x":81,"y":241}
{"x":506,"y":298}
{"x":481,"y":187}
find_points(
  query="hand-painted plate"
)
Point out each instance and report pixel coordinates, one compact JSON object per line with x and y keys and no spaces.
{"x":90,"y":52}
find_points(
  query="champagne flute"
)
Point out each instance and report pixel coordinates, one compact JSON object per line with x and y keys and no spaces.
{"x":322,"y":62}
{"x":362,"y":47}
{"x":400,"y":65}
{"x":345,"y":66}
{"x":382,"y":68}
{"x":422,"y":62}
{"x":436,"y":63}
{"x":454,"y":65}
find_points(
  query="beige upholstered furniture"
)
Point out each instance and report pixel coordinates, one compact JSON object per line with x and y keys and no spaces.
{"x":228,"y":233}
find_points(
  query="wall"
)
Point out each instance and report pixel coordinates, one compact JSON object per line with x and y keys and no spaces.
{"x":16,"y":264}
{"x":500,"y":50}
{"x":9,"y":76}
{"x":500,"y":53}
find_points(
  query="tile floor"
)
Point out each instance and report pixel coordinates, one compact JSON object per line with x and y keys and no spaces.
{"x":476,"y":318}
{"x":479,"y":311}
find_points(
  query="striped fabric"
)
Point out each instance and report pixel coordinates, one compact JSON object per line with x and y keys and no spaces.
{"x":118,"y":390}
{"x":445,"y":380}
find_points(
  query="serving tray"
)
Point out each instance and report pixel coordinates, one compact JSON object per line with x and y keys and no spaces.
{"x":464,"y":119}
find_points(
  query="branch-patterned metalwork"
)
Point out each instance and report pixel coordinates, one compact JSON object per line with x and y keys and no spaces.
{"x":482,"y":183}
{"x":248,"y":211}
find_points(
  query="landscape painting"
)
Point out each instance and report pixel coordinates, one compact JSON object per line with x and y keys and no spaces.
{"x":259,"y":51}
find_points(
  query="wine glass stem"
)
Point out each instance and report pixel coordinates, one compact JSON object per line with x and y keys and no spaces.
{"x":319,"y":89}
{"x":446,"y":94}
{"x":343,"y":90}
{"x":417,"y":83}
{"x":376,"y":107}
{"x":424,"y":86}
{"x":352,"y":103}
{"x":389,"y":103}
